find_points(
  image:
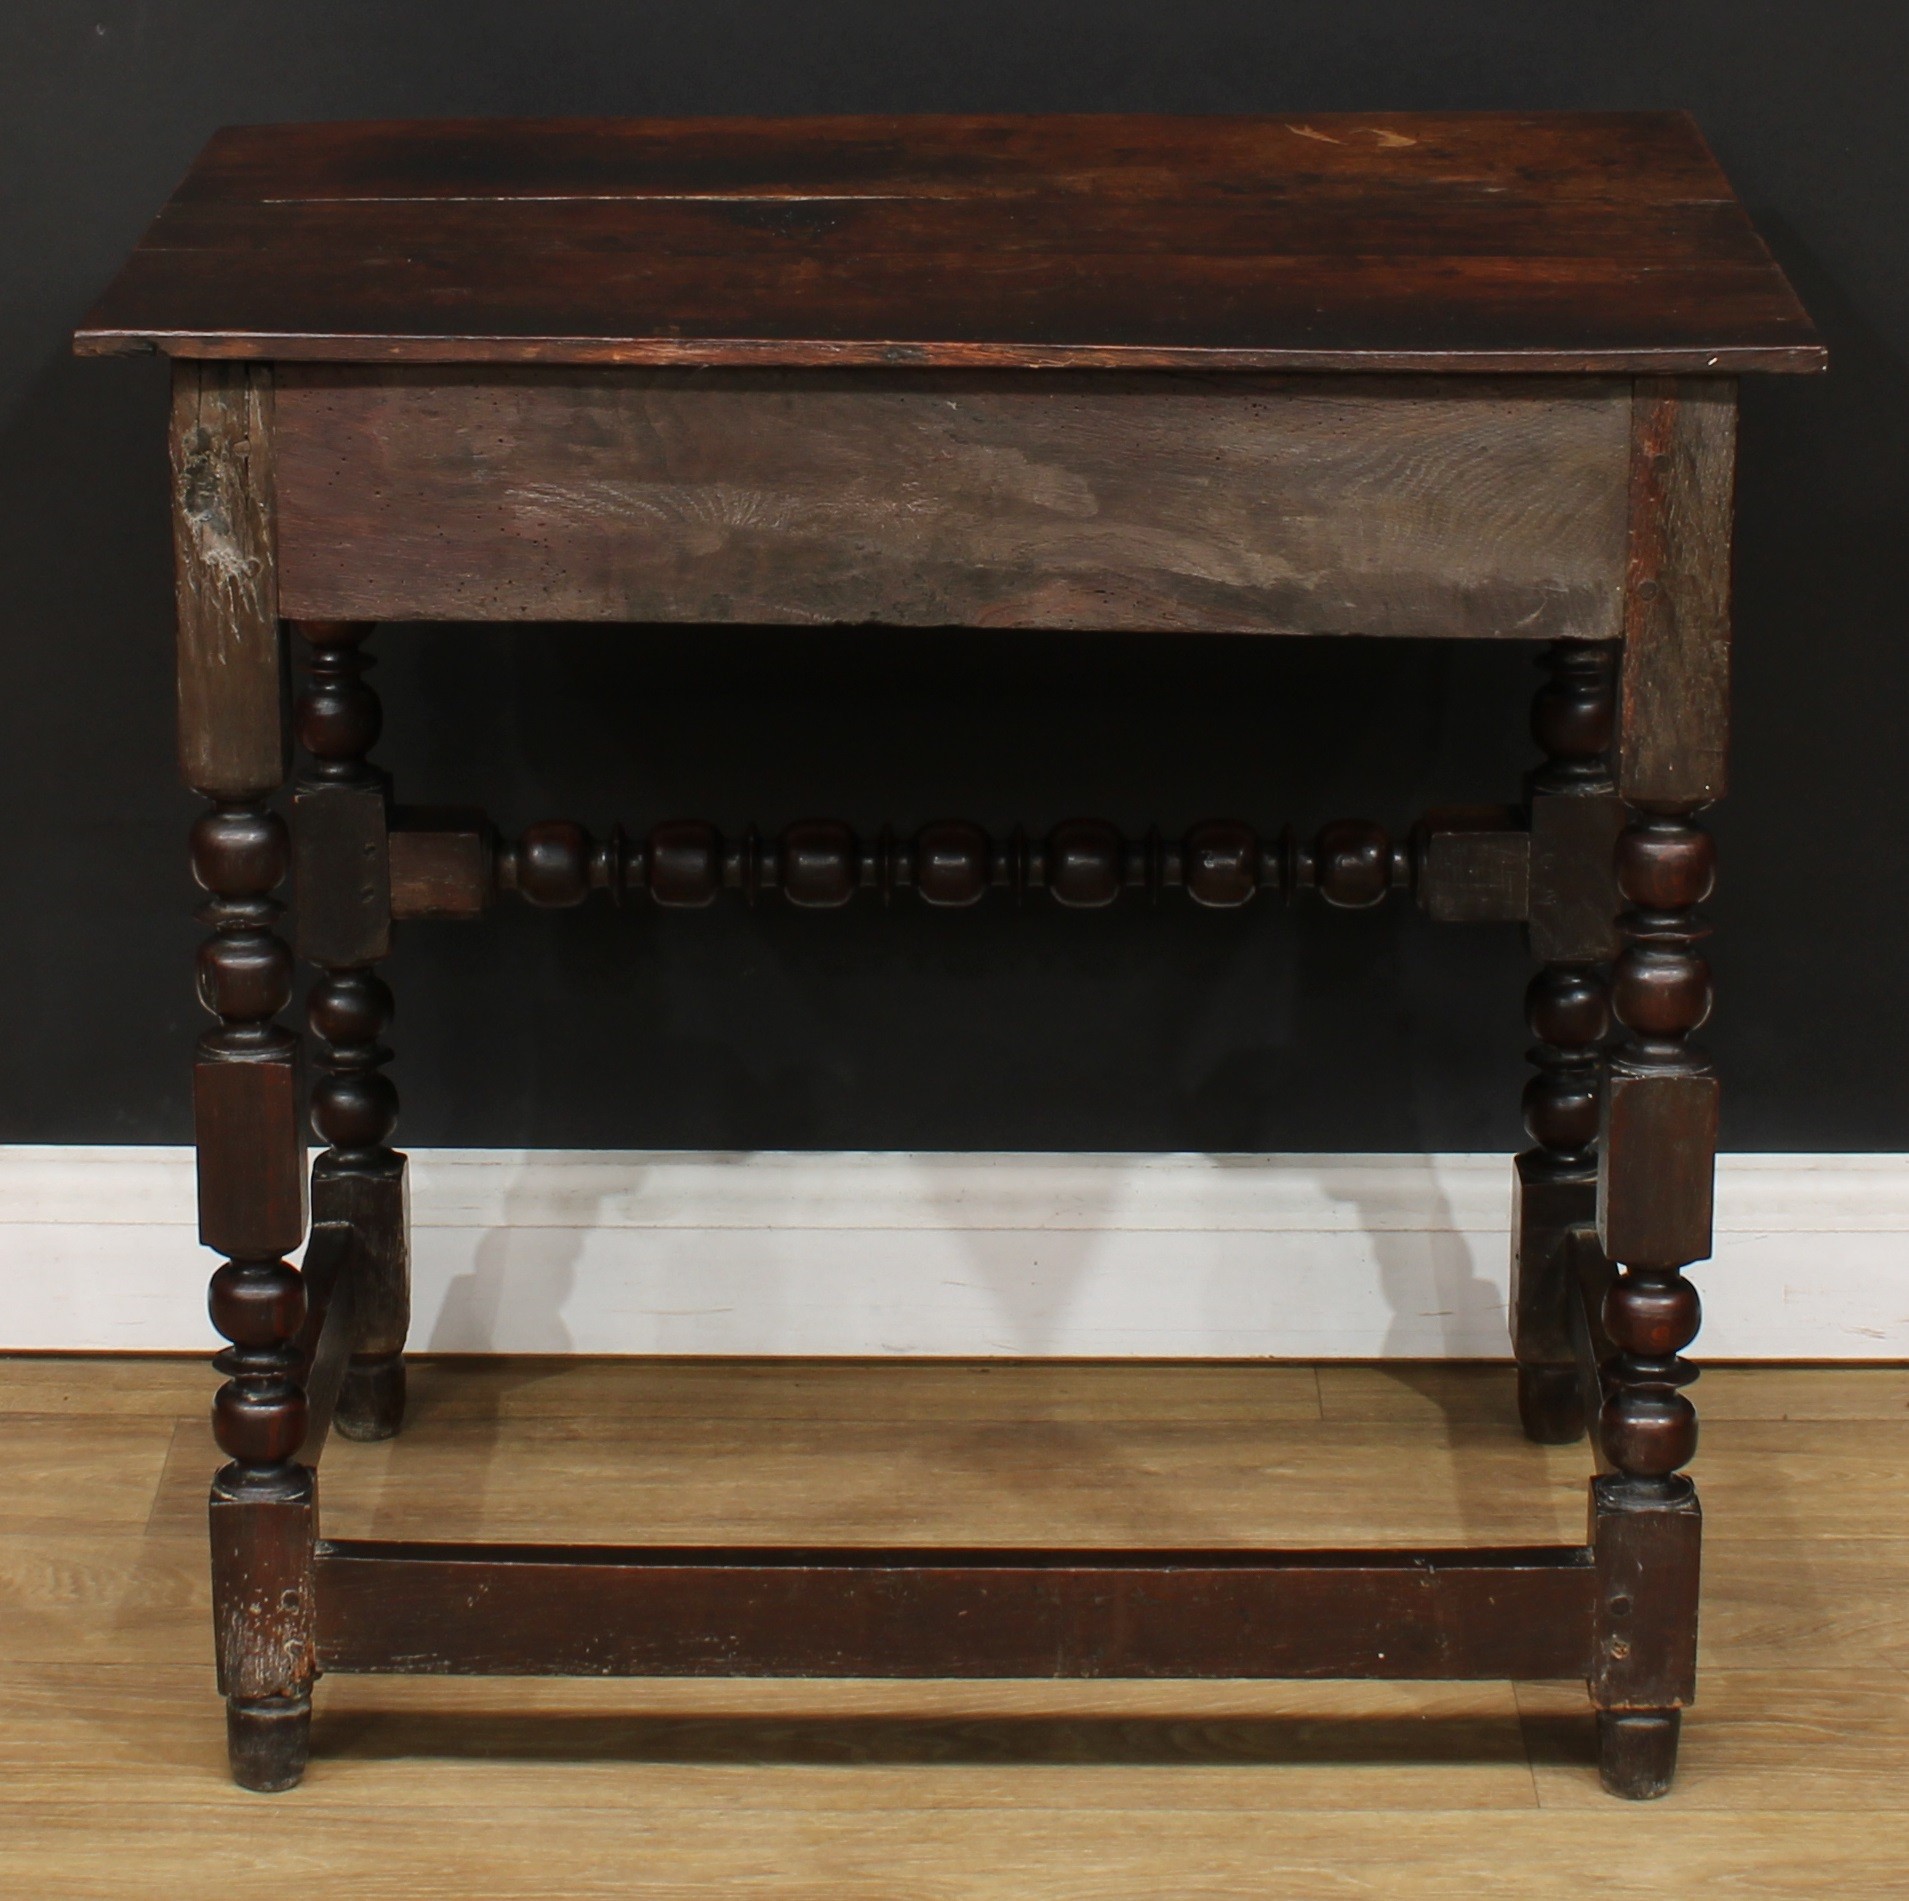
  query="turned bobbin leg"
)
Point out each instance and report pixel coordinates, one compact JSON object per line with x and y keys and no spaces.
{"x":246,"y":1095}
{"x":1574,"y":816}
{"x":359,"y":1183}
{"x":251,"y":1208}
{"x":1659,"y":1151}
{"x":1568,"y":1013}
{"x":1658,"y":1136}
{"x":344,"y":926}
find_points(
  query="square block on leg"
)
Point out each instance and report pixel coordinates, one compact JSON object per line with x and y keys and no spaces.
{"x":1657,"y":1153}
{"x":249,"y":1124}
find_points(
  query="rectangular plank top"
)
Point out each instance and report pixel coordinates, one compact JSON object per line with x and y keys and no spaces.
{"x":1552,"y":242}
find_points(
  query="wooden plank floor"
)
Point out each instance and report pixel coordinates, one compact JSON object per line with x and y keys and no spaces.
{"x":112,"y":1779}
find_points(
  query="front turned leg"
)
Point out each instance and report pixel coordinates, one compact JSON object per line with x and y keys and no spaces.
{"x":252,"y":1210}
{"x":1654,"y":1211}
{"x":344,"y":925}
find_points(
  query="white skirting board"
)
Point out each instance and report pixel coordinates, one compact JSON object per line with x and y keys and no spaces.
{"x":1305,"y":1256}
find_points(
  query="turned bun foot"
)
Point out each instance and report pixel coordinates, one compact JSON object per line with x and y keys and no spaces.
{"x":371,"y":1399}
{"x":268,"y":1739}
{"x":1550,"y":1406}
{"x":1637,"y":1752}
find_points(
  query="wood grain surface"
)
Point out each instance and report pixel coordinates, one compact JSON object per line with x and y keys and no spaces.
{"x":232,"y":731}
{"x":112,"y":1770}
{"x":1560,"y":241}
{"x":432,"y":1608}
{"x":1483,"y":508}
{"x":1674,"y":704}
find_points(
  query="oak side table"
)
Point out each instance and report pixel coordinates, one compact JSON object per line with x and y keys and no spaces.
{"x":1452,"y":376}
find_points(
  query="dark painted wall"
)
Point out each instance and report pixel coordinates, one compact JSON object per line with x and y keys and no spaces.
{"x":1043,"y":1029}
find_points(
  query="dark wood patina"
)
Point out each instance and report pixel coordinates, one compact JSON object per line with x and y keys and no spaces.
{"x":1449,"y":376}
{"x":1426,"y":241}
